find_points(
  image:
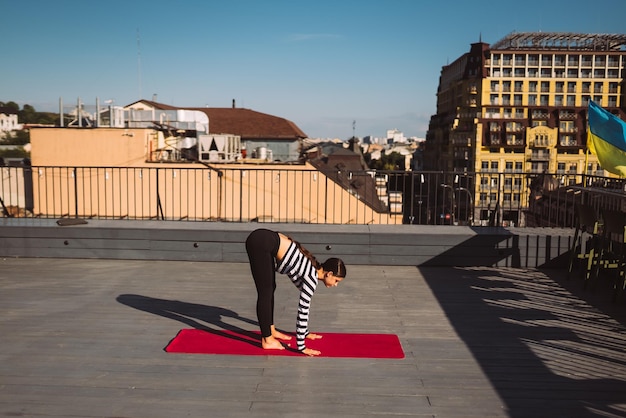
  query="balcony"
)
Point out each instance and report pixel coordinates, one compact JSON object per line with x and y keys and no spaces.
{"x":567,"y":115}
{"x":540,"y":156}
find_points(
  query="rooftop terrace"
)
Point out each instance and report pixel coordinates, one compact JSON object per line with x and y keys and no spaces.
{"x":478,"y":341}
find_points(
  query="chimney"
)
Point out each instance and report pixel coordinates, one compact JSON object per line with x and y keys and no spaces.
{"x":233,"y":103}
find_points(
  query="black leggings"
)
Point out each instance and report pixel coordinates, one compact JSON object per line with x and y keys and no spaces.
{"x":262,"y":246}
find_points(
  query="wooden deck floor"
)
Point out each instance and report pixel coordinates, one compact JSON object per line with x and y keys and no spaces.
{"x":479,"y":342}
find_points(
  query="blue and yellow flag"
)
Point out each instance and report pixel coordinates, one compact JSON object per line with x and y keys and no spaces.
{"x":607,"y":139}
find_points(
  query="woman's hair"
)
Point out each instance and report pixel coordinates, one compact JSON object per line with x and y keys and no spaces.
{"x":334,"y":265}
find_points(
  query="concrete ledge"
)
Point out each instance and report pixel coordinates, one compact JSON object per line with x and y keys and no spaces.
{"x":410,"y":245}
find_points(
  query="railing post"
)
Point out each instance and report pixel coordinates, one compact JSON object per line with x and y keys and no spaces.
{"x":75,"y":192}
{"x":240,"y":195}
{"x":159,"y":207}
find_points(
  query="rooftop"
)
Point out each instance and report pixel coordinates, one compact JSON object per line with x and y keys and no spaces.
{"x":561,"y":41}
{"x":246,"y":123}
{"x":498,"y":342}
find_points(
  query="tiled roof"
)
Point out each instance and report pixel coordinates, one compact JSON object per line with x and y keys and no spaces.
{"x":250,"y":124}
{"x":246,"y":123}
{"x":347,"y":169}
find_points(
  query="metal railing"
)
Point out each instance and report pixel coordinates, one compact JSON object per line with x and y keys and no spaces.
{"x":300,"y":194}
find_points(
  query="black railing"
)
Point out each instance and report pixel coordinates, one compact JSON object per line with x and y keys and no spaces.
{"x":299,"y":194}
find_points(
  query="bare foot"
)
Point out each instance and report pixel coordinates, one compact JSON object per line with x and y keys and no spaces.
{"x":271,"y":343}
{"x":279,"y":335}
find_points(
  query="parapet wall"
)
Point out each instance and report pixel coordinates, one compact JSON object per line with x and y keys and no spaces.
{"x":408,"y":245}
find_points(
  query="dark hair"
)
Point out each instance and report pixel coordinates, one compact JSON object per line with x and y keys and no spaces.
{"x":333,"y":264}
{"x":336,"y":266}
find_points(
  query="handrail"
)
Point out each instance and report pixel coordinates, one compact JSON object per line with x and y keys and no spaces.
{"x":301,"y":194}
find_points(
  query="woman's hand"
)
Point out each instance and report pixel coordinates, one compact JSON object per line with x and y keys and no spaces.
{"x":310,"y":352}
{"x":312,"y":336}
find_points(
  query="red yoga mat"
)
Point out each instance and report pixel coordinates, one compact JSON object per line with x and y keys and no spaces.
{"x":248,"y":343}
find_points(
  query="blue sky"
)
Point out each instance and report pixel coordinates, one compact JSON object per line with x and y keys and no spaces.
{"x":321,"y":64}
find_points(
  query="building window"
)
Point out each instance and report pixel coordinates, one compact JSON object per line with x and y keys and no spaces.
{"x":560,"y":86}
{"x":598,"y":87}
{"x":567,"y":140}
{"x":494,"y":166}
{"x":571,"y":87}
{"x":566,"y":126}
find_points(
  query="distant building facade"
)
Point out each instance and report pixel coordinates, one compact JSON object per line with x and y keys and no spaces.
{"x":395,"y":136}
{"x":520,"y":106}
{"x":521,"y":103}
{"x":8,"y":120}
{"x":234,"y":131}
{"x":118,"y":171}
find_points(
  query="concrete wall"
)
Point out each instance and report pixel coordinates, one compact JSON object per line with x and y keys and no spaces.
{"x":409,"y":245}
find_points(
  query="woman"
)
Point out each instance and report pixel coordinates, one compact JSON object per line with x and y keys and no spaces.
{"x":270,"y":251}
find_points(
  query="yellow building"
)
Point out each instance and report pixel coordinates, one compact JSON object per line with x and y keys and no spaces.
{"x":520,"y":106}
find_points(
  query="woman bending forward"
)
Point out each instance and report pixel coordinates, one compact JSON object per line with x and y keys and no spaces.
{"x":270,"y":251}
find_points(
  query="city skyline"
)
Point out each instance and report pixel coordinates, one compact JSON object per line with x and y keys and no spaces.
{"x":333,"y":68}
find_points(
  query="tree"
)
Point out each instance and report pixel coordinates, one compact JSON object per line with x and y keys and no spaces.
{"x":392,"y":161}
{"x":14,"y":153}
{"x":11,"y":105}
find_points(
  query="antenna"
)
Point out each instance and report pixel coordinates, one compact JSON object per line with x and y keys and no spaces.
{"x":139,"y":63}
{"x":353,"y":128}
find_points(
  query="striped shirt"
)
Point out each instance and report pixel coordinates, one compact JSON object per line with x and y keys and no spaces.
{"x":304,"y":276}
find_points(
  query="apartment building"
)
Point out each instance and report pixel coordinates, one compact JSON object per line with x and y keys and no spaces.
{"x":520,"y":105}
